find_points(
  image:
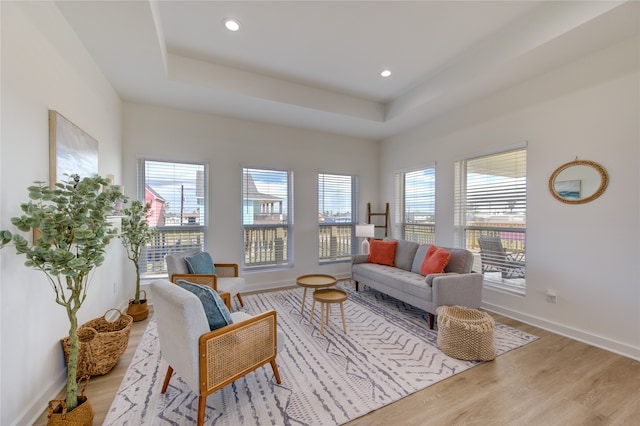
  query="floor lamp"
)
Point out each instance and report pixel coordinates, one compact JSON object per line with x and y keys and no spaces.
{"x":365,"y":231}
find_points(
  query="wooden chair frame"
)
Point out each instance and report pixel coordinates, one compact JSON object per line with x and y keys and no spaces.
{"x":233,"y":351}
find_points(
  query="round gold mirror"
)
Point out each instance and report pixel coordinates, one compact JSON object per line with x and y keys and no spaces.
{"x":578,"y":182}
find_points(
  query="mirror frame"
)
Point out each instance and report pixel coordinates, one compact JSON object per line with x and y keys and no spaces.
{"x":604,"y":181}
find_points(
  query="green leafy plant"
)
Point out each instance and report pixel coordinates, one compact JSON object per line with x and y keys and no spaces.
{"x":135,"y":235}
{"x":73,"y":227}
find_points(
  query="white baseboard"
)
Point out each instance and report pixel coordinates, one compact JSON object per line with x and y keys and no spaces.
{"x":572,"y":333}
{"x":51,"y":392}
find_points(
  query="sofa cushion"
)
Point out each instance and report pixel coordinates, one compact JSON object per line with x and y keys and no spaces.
{"x":217,"y":313}
{"x":176,"y":263}
{"x":200,"y":263}
{"x":461,"y":261}
{"x":435,"y":261}
{"x":419,"y":257}
{"x":405,"y":281}
{"x":405,"y":252}
{"x":382,"y":252}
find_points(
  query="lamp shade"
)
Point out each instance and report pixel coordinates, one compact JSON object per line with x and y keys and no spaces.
{"x":367,"y":230}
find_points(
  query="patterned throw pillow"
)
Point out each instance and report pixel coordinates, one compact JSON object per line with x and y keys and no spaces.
{"x":435,"y":261}
{"x":382,"y":252}
{"x":217,"y":313}
{"x":200,"y":263}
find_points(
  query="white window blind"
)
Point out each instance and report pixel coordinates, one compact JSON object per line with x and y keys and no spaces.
{"x":177,"y":193}
{"x":337,"y":198}
{"x":415,"y":216}
{"x":267,"y":217}
{"x":490,"y":215}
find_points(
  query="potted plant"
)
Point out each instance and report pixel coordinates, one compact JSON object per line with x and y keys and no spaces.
{"x":135,"y":234}
{"x":71,"y":221}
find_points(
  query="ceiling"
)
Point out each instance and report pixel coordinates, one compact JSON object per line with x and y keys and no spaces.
{"x":317,"y":64}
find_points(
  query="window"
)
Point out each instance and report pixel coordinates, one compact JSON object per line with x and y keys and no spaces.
{"x":337,"y":198}
{"x":177,"y":193}
{"x":267,"y":218}
{"x":490,"y":216}
{"x":415,"y":216}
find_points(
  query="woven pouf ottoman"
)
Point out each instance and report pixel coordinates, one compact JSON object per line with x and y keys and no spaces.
{"x":465,"y":333}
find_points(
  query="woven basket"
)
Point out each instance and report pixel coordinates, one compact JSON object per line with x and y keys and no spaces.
{"x":102,"y":343}
{"x":465,"y":333}
{"x":82,"y":415}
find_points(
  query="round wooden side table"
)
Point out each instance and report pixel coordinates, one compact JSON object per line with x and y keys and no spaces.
{"x":314,"y":281}
{"x":326,"y":297}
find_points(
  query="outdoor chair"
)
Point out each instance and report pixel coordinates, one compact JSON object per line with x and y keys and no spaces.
{"x":225,"y":279}
{"x":209,"y":360}
{"x":495,"y":258}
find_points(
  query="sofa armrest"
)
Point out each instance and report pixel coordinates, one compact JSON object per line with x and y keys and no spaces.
{"x":429,"y":278}
{"x":359,"y":258}
{"x":458,"y":289}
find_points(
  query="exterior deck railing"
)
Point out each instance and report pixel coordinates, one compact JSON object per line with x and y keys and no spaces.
{"x":423,"y":233}
{"x":335,"y":242}
{"x":265,"y":245}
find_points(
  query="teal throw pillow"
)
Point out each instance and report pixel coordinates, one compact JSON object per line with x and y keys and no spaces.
{"x":217,"y":313}
{"x":200,"y":263}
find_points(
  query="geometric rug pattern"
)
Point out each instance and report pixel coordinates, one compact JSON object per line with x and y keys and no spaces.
{"x":388,"y":353}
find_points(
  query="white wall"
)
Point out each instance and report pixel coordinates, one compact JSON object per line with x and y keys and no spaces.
{"x":227,"y":145}
{"x":44,"y":66}
{"x":588,"y":253}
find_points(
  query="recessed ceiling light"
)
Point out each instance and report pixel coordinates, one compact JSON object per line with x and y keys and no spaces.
{"x":385,"y":73}
{"x":231,"y":24}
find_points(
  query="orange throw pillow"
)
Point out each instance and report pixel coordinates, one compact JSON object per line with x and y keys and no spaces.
{"x":435,"y":261}
{"x":382,"y":252}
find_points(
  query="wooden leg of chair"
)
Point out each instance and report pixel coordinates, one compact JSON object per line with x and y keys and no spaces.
{"x":202,"y":405}
{"x":274,"y":367}
{"x":431,"y":320}
{"x":240,"y":299}
{"x":166,"y":379}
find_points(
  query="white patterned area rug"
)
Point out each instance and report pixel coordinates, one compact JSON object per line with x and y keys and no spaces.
{"x":388,"y":353}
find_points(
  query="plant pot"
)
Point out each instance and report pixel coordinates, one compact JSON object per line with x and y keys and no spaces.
{"x":138,"y":311}
{"x":82,"y":415}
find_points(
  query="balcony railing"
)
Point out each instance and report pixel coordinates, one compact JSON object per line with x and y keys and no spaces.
{"x":335,"y":242}
{"x":265,"y":245}
{"x":168,"y":240}
{"x":512,"y":238}
{"x":423,"y":233}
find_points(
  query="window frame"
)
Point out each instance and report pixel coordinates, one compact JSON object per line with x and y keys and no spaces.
{"x":197,"y":235}
{"x":466,"y":234}
{"x":423,"y":233}
{"x":343,"y":233}
{"x":253,"y":247}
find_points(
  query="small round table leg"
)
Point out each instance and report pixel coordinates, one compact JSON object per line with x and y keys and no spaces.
{"x":313,"y":307}
{"x":344,"y":324}
{"x":322,"y":308}
{"x":304,"y":297}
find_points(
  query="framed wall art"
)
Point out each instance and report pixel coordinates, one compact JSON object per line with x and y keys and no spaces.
{"x":71,"y":150}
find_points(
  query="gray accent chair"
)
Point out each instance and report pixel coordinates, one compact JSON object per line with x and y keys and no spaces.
{"x":226,"y":278}
{"x":210,"y":360}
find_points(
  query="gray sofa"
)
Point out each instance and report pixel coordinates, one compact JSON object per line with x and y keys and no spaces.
{"x":457,"y":286}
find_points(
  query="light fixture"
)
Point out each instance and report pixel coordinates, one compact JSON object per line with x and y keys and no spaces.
{"x":385,"y":73}
{"x":365,"y":231}
{"x":231,"y":24}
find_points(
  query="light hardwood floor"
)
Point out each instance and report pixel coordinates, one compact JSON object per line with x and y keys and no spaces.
{"x":552,"y":381}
